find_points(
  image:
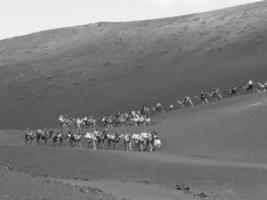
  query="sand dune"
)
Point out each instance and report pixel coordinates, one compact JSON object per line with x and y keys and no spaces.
{"x":216,"y":149}
{"x":106,"y":67}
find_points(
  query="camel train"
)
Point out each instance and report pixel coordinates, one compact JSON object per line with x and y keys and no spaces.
{"x":143,"y":115}
{"x":148,"y":141}
{"x":144,"y":141}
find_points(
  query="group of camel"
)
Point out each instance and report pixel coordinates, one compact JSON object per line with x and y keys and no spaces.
{"x":75,"y":127}
{"x":136,"y":118}
{"x":216,"y":94}
{"x":146,"y":140}
{"x":143,"y":115}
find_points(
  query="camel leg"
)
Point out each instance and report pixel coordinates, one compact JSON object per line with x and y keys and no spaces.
{"x":94,"y":145}
{"x":108,"y":144}
{"x":141,"y":147}
{"x":130,"y":145}
{"x":150,"y":146}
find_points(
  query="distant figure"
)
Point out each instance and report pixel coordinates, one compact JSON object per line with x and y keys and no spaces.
{"x":233,"y":91}
{"x":186,"y":101}
{"x":250,"y":86}
{"x":203,"y":98}
{"x":171,"y":107}
{"x":159,"y":108}
{"x":145,"y":111}
{"x":215,"y":94}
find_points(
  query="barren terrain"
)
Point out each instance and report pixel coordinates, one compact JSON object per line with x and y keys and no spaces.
{"x":105,"y":67}
{"x":215,"y":151}
{"x":218,"y":150}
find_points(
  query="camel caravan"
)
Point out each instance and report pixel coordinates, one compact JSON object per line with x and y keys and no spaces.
{"x":217,"y":95}
{"x":78,"y":131}
{"x":86,"y":130}
{"x":96,"y":139}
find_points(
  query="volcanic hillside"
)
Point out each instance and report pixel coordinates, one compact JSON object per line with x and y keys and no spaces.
{"x":106,"y":67}
{"x":217,"y":148}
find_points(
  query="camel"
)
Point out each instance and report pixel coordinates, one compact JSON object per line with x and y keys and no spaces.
{"x":203,"y":98}
{"x":29,"y":136}
{"x":215,"y":95}
{"x":263,"y":86}
{"x":43,"y":135}
{"x":58,"y":137}
{"x":113,"y":138}
{"x":185,"y":102}
{"x":101,"y":136}
{"x":126,"y":138}
{"x":91,"y":138}
{"x":74,"y":138}
{"x":250,"y":87}
{"x":139,"y":141}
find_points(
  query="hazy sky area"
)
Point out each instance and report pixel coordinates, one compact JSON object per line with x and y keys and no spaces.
{"x":18,"y":17}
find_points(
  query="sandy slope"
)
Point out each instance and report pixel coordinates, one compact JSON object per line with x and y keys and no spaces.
{"x":106,"y":67}
{"x":230,"y":179}
{"x":135,"y":191}
{"x":218,"y":149}
{"x":19,"y":186}
{"x":233,"y":129}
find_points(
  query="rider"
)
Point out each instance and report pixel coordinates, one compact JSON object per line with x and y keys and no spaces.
{"x":250,"y":85}
{"x":44,"y":132}
{"x":27,"y":130}
{"x":203,"y":97}
{"x":215,"y":93}
{"x":233,"y":90}
{"x":186,"y":99}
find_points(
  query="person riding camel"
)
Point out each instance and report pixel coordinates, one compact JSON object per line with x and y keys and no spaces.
{"x":216,"y":94}
{"x":250,"y":86}
{"x":44,"y":132}
{"x":203,"y":98}
{"x":233,"y":90}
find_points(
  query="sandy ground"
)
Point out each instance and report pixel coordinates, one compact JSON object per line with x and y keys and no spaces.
{"x":116,"y":172}
{"x":218,"y":150}
{"x":135,"y":190}
{"x":106,"y":67}
{"x":19,"y":186}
